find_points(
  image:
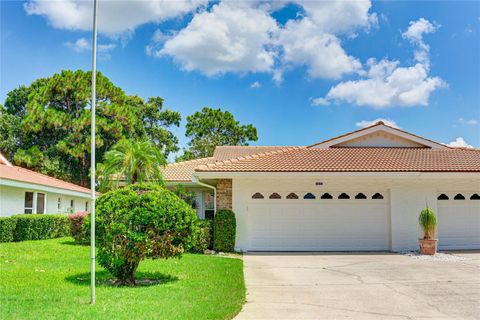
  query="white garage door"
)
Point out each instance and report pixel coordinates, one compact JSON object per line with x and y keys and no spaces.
{"x":459,"y":220}
{"x":316,"y":224}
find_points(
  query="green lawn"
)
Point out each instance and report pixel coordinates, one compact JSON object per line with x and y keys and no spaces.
{"x":49,"y":279}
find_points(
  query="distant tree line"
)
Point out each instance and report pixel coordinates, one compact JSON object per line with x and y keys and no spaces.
{"x":46,"y":127}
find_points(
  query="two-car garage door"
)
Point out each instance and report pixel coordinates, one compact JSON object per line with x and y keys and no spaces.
{"x":346,"y":221}
{"x":350,"y":221}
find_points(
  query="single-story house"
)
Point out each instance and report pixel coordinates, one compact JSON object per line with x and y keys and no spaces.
{"x":359,"y":191}
{"x":30,"y":192}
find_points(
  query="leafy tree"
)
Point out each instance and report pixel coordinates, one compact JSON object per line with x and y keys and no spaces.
{"x":142,"y":221}
{"x":213,"y":127}
{"x":10,"y":134}
{"x":131,"y":161}
{"x":52,"y":128}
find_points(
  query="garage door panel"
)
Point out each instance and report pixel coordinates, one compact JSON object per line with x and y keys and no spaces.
{"x":459,"y":224}
{"x":306,"y":226}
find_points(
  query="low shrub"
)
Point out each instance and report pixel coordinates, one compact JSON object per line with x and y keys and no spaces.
{"x":224,"y":231}
{"x":141,"y":221}
{"x":7,"y":229}
{"x":428,"y":222}
{"x":204,"y":239}
{"x":38,"y":227}
{"x":78,"y":227}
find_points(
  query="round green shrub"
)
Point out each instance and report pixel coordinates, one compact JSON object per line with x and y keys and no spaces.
{"x":141,"y":221}
{"x":224,"y":231}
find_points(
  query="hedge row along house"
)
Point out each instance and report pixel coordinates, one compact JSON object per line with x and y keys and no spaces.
{"x":359,"y":191}
{"x":30,"y":192}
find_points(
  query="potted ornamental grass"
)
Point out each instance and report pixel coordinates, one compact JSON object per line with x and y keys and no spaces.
{"x":428,"y":223}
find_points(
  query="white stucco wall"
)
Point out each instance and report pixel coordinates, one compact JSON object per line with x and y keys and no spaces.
{"x":12,"y":200}
{"x":407,"y":197}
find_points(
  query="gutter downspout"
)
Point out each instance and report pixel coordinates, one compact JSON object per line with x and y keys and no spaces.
{"x":197,"y":181}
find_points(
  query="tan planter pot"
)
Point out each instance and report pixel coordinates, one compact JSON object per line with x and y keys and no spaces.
{"x":428,"y":246}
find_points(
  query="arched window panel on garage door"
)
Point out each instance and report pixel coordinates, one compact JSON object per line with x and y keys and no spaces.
{"x":459,"y":196}
{"x":343,"y":196}
{"x":326,"y":195}
{"x":377,"y":196}
{"x":309,"y":196}
{"x":258,"y":195}
{"x":360,"y":196}
{"x":275,"y":196}
{"x":443,"y":196}
{"x":475,"y":196}
{"x":292,"y":196}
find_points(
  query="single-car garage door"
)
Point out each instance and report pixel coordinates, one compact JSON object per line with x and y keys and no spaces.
{"x":459,"y":220}
{"x":330,"y":221}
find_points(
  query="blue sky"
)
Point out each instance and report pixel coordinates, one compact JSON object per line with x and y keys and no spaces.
{"x":301,"y":72}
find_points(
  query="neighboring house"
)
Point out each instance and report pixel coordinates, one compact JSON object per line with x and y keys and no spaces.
{"x":30,"y":192}
{"x":360,"y":191}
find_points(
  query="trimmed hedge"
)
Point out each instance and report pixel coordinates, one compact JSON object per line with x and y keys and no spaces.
{"x":7,"y":229}
{"x":224,"y":231}
{"x":39,"y":227}
{"x":204,"y":239}
{"x":78,"y":227}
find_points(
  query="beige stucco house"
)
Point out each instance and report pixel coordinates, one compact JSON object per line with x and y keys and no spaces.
{"x":359,"y":191}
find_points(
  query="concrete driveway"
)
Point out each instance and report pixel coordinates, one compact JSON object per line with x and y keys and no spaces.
{"x":360,"y":286}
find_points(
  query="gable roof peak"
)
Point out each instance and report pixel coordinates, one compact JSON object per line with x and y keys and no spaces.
{"x":411,"y":140}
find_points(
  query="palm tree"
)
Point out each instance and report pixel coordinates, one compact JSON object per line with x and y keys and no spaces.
{"x":131,"y":161}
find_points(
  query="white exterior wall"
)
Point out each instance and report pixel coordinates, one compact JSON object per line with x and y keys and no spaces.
{"x":406,"y":202}
{"x":407,"y":197}
{"x":12,"y":201}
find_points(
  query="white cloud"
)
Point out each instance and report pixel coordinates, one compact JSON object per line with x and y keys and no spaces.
{"x":231,"y":37}
{"x":459,"y":143}
{"x":256,"y":85}
{"x":114,"y":17}
{"x":335,"y":17}
{"x":368,"y":123}
{"x":415,"y":33}
{"x":471,"y":122}
{"x":319,"y":101}
{"x":80,"y":45}
{"x":243,"y":37}
{"x":304,"y":43}
{"x":418,"y":28}
{"x":386,"y":84}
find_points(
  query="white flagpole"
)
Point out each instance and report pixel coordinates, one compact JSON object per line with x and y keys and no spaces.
{"x":92,"y":155}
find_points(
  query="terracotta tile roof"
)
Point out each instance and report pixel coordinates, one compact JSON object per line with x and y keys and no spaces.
{"x":182,"y":171}
{"x":29,"y":176}
{"x":229,"y":152}
{"x":355,"y":159}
